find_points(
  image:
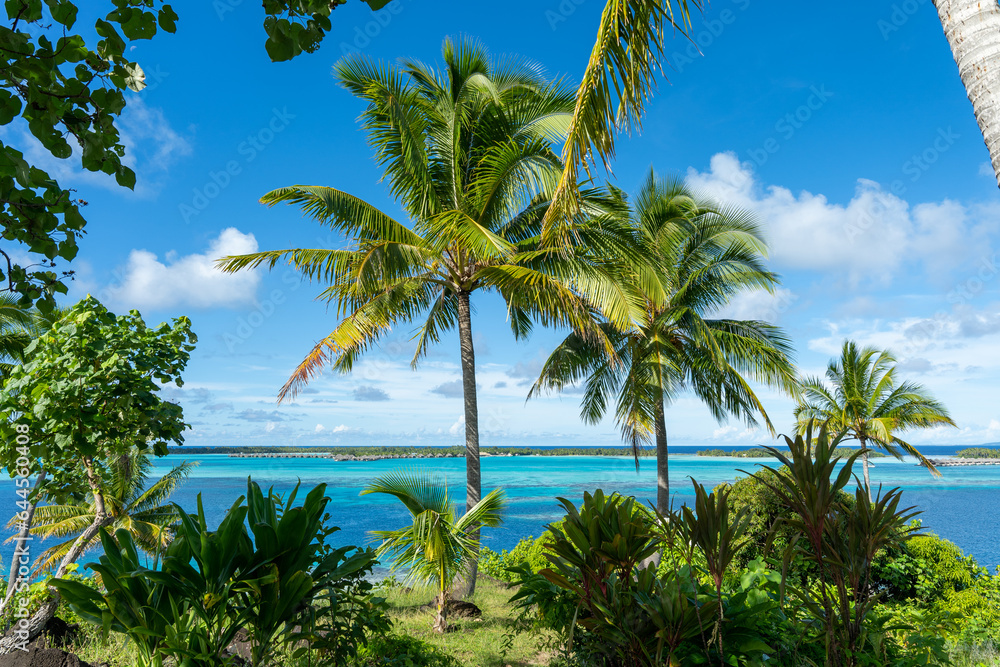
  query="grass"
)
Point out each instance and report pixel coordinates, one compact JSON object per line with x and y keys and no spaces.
{"x":489,"y":641}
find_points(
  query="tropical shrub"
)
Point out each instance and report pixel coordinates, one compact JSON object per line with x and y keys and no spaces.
{"x":392,"y":650}
{"x":212,"y":583}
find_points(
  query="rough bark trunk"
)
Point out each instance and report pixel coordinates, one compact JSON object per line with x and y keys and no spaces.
{"x":34,"y":626}
{"x":473,"y":483}
{"x":864,"y":467}
{"x":20,"y":545}
{"x":972,"y":28}
{"x":662,"y":461}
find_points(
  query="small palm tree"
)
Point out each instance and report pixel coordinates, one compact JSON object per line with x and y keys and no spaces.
{"x":143,"y":512}
{"x":438,"y":544}
{"x":862,"y":399}
{"x":698,"y":257}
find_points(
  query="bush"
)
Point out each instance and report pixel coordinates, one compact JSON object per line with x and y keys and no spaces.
{"x":403,"y":651}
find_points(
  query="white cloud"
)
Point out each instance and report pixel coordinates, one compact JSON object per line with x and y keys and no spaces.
{"x":191,"y":280}
{"x":868,"y":239}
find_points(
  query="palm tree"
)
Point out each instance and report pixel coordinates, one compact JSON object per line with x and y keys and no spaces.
{"x":143,"y":512}
{"x":699,"y":257}
{"x":862,"y":400}
{"x":619,"y":79}
{"x":972,"y":28}
{"x":467,"y":152}
{"x":438,"y":544}
{"x":18,"y":326}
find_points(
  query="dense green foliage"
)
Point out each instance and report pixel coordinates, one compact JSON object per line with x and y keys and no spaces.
{"x":89,"y":393}
{"x":260,"y":570}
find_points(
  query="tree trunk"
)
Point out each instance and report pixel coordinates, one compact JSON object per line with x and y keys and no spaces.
{"x":864,"y":467}
{"x":473,"y":477}
{"x":20,"y":545}
{"x":972,"y":28}
{"x":662,"y":461}
{"x":20,"y":635}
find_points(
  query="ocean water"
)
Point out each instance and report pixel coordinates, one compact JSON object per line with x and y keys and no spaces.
{"x":963,"y":505}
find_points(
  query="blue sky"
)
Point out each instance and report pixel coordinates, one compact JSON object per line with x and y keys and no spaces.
{"x":843,"y":125}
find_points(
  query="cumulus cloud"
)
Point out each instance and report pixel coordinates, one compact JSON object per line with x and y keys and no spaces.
{"x":191,"y":280}
{"x":367,"y":393}
{"x":449,"y":389}
{"x":868,"y":239}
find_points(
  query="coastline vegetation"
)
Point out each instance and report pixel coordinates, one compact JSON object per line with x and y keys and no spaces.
{"x":979,"y":453}
{"x":763,"y":453}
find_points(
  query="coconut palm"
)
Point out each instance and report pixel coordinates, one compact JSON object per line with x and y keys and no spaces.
{"x":972,"y":28}
{"x":18,"y":326}
{"x":467,"y":152}
{"x":144,"y":512}
{"x":619,"y":79}
{"x":699,"y":257}
{"x":863,"y":399}
{"x":438,"y":544}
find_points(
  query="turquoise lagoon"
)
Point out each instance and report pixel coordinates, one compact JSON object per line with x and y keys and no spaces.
{"x":963,"y":505}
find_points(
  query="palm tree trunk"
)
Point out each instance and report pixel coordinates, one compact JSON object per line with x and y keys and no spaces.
{"x":972,"y":28}
{"x":662,"y":461}
{"x":864,"y":467}
{"x":473,"y":477}
{"x":36,"y":624}
{"x":21,"y":547}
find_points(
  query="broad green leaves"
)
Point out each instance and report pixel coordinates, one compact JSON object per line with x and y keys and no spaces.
{"x":67,"y":96}
{"x":90,"y":390}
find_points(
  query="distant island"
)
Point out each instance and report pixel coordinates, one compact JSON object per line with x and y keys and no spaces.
{"x":978,"y":453}
{"x":376,"y":453}
{"x":761,"y":453}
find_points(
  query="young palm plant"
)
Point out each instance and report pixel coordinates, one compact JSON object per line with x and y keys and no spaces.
{"x":439,"y":543}
{"x":145,"y":513}
{"x":862,"y":399}
{"x":698,"y":257}
{"x":467,"y":152}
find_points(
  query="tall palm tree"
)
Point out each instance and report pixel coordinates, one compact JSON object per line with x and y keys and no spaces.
{"x":144,"y":512}
{"x":862,"y":398}
{"x":698,"y":258}
{"x":467,"y":151}
{"x":618,"y":80}
{"x":972,"y":28}
{"x":438,"y":544}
